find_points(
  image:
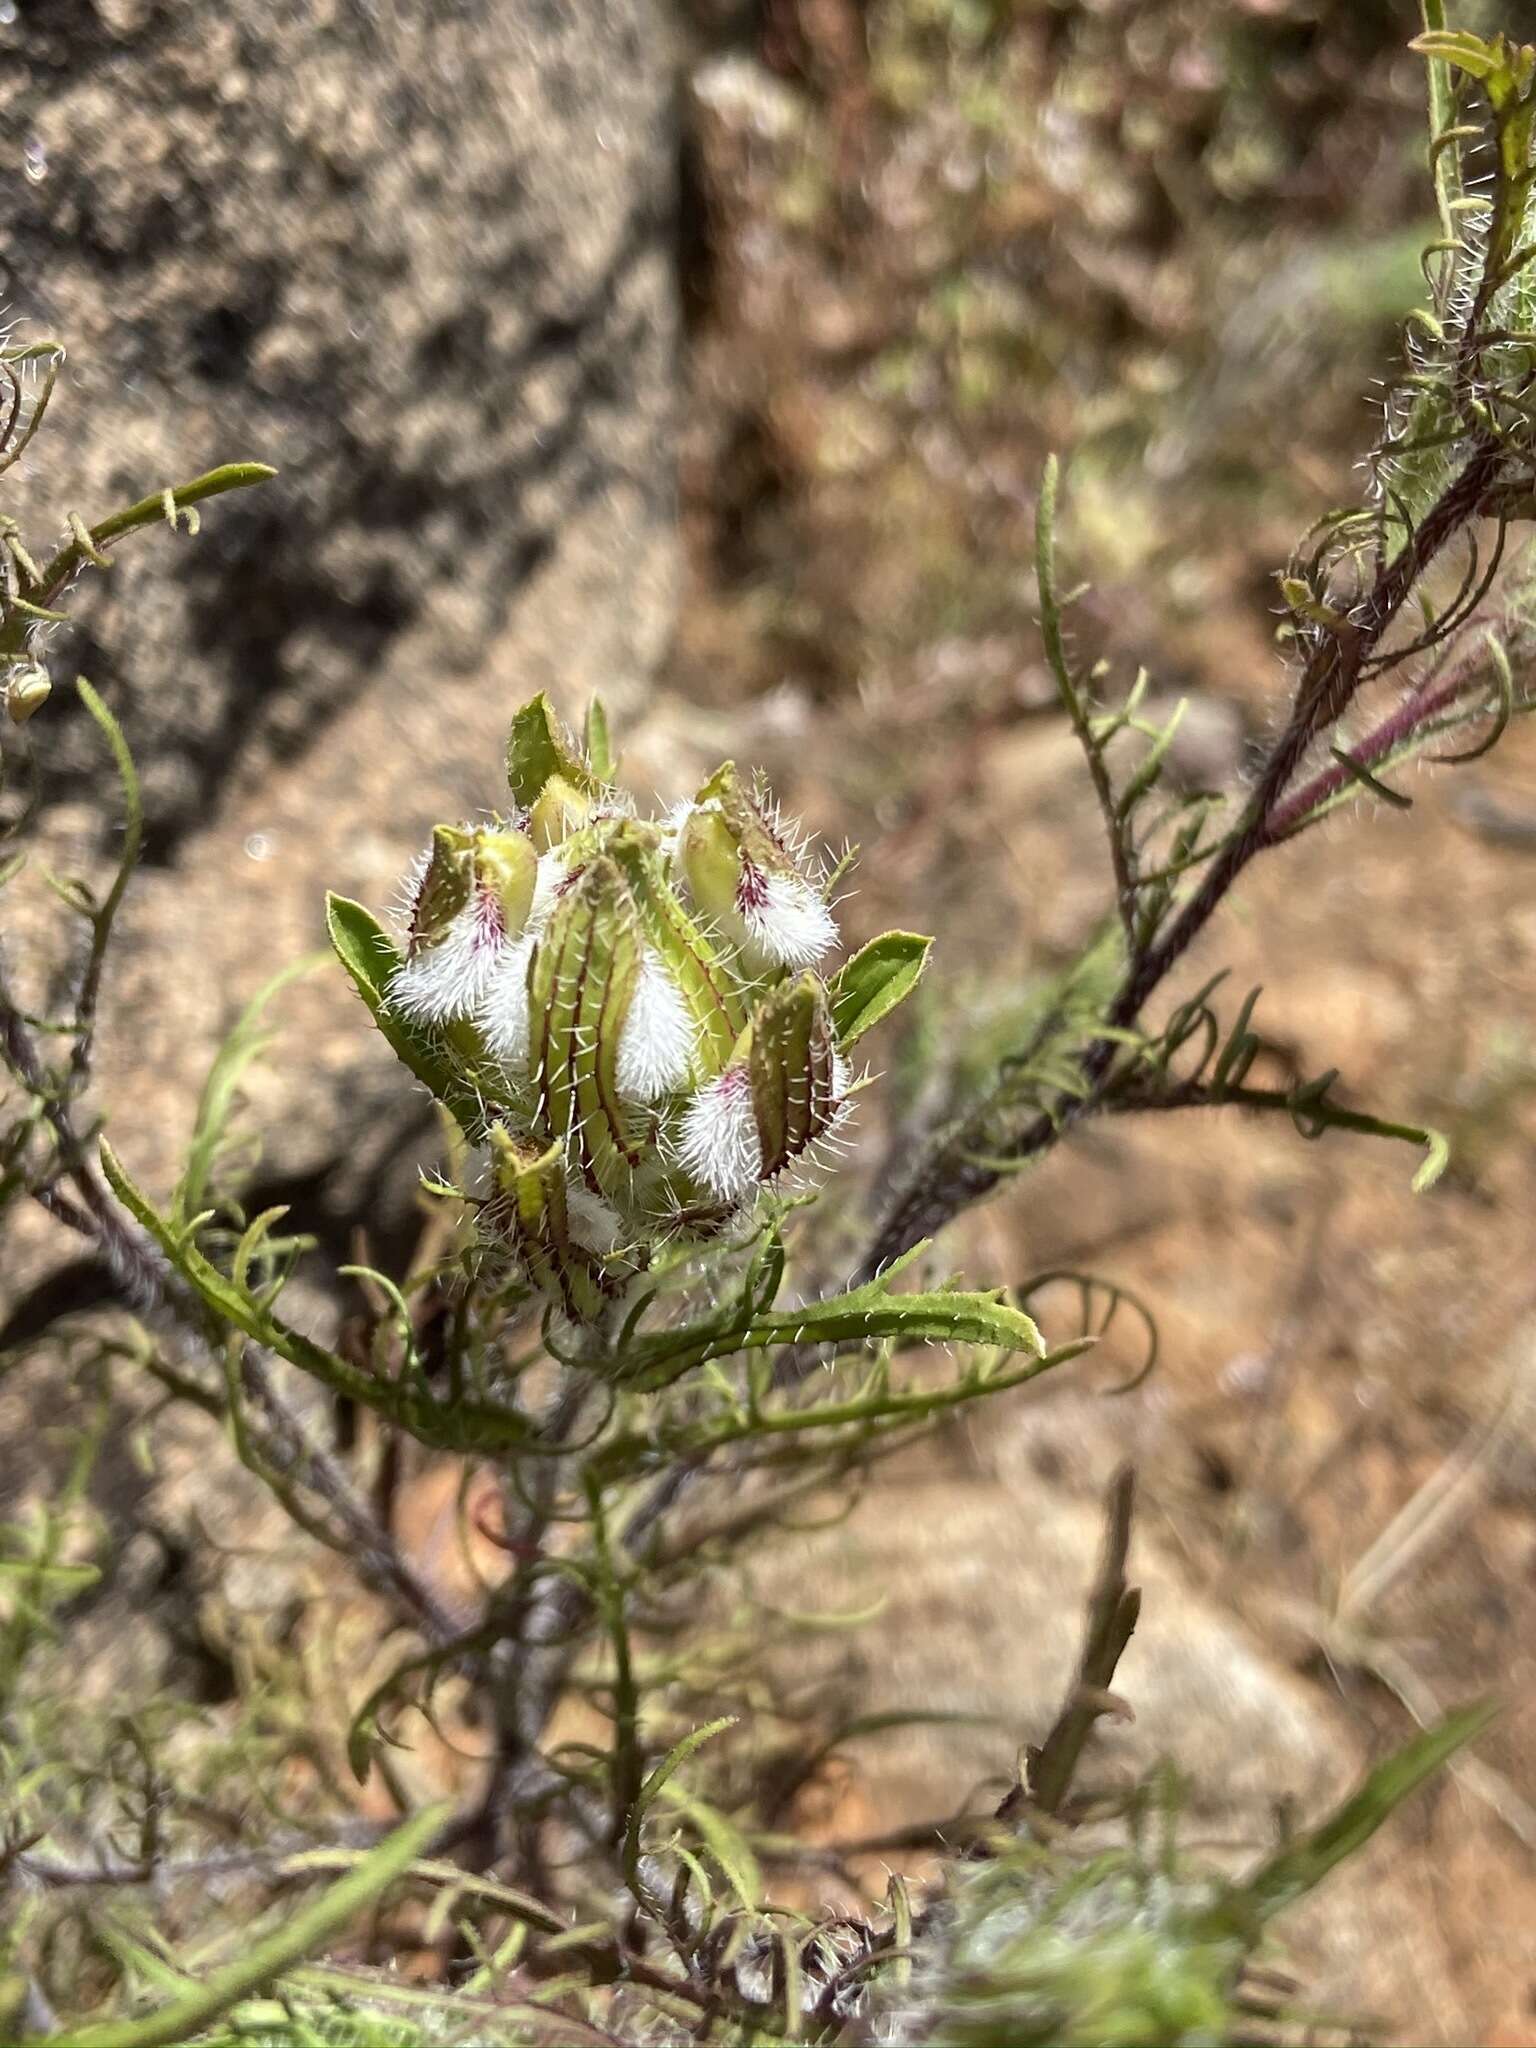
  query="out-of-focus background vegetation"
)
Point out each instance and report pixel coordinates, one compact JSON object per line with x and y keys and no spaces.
{"x":935,"y":240}
{"x":847,"y":272}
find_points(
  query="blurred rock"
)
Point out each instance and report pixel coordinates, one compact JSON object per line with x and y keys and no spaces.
{"x":984,"y":1584}
{"x":417,"y":257}
{"x":980,"y":1586}
{"x":420,"y":258}
{"x":745,"y":96}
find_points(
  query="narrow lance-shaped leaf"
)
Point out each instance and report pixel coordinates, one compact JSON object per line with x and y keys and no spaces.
{"x":1300,"y":1866}
{"x":872,"y":1313}
{"x":371,"y":957}
{"x":1460,"y":47}
{"x":461,"y":1425}
{"x":674,"y":1758}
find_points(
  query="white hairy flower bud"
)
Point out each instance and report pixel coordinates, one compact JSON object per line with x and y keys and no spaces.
{"x":635,"y":1006}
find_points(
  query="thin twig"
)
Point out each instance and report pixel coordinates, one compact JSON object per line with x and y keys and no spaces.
{"x":141,"y":1269}
{"x":1113,"y":1609}
{"x":272,"y":1859}
{"x":377,"y":1556}
{"x":1076,"y":708}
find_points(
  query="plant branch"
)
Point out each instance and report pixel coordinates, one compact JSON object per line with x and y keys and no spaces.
{"x":1417,"y":710}
{"x":1076,"y":708}
{"x":87,"y":543}
{"x":152,"y":1287}
{"x":278,"y":1860}
{"x":968,"y":1162}
{"x":1113,"y":1610}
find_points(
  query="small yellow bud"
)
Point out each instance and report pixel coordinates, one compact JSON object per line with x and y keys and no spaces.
{"x":711,"y":863}
{"x":26,"y":690}
{"x":506,"y":862}
{"x":560,"y":809}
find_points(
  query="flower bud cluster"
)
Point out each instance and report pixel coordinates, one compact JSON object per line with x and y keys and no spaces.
{"x":636,"y":1002}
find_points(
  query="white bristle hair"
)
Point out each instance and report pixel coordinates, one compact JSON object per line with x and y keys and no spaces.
{"x":718,"y":1142}
{"x":657,"y":1042}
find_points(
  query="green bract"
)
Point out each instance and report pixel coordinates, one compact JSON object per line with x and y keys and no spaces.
{"x":629,"y":1015}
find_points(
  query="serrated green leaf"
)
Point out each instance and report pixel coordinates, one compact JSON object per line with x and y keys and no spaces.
{"x":222,"y":1294}
{"x":872,"y":1313}
{"x":461,"y":1424}
{"x":870,"y":985}
{"x":674,"y":1758}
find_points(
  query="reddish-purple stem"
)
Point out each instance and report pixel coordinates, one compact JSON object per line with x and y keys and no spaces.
{"x":1416,"y":710}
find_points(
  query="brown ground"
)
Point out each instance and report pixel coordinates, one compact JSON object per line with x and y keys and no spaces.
{"x":916,"y":288}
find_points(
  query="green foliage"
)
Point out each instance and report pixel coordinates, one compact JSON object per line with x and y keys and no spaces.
{"x":878,"y":977}
{"x":192,"y":2010}
{"x":30,"y":591}
{"x":1375,"y":610}
{"x":207,"y":1162}
{"x":1301,"y":1866}
{"x":1139,"y":1947}
{"x":616,"y":1320}
{"x":1118,"y":1955}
